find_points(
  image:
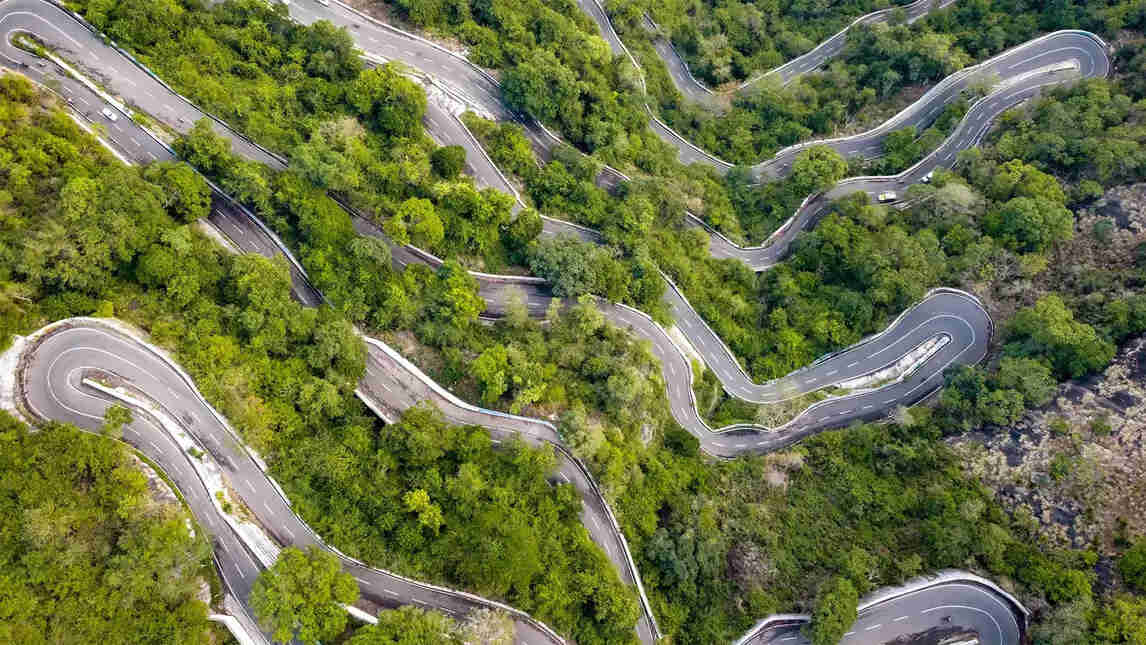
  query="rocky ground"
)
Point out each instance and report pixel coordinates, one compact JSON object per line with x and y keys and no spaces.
{"x":1077,"y":466}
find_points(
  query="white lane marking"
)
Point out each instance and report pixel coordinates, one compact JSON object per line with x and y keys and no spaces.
{"x":896,"y":620}
{"x":873,"y":627}
{"x":47,"y":22}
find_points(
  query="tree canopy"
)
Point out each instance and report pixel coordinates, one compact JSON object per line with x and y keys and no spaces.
{"x":302,"y":596}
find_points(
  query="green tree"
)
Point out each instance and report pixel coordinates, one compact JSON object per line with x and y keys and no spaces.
{"x":114,"y":418}
{"x":417,"y":222}
{"x":1048,"y":329}
{"x":566,"y":262}
{"x":1031,"y":378}
{"x":490,"y":369}
{"x":1122,"y":621}
{"x":301,"y":596}
{"x":92,"y":556}
{"x":394,"y":104}
{"x":429,"y":514}
{"x":448,"y":161}
{"x":543,"y":87}
{"x":817,"y":168}
{"x":834,"y":612}
{"x":521,"y":231}
{"x":204,"y":149}
{"x":1132,"y":566}
{"x":1030,"y":225}
{"x":186,"y":195}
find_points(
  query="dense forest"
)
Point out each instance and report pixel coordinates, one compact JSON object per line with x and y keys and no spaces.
{"x":85,"y":235}
{"x":1002,"y":225}
{"x":718,"y":544}
{"x":352,"y":131}
{"x":86,"y":554}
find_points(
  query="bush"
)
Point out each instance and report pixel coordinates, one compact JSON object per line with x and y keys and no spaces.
{"x":448,"y":161}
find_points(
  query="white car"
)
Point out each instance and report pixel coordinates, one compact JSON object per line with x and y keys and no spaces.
{"x":927,"y":178}
{"x":109,"y":114}
{"x":887,"y":196}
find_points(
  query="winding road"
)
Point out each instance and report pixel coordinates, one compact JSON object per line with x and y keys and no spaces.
{"x":814,"y":59}
{"x":955,"y":317}
{"x":81,"y":348}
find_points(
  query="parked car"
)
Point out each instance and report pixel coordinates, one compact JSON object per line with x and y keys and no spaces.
{"x":887,"y":196}
{"x":109,"y":114}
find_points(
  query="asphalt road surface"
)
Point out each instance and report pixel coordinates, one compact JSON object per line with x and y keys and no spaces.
{"x":952,"y":608}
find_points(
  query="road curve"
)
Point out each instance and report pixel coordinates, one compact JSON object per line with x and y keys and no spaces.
{"x":1016,"y":63}
{"x":692,"y":88}
{"x":51,"y":385}
{"x":945,"y":608}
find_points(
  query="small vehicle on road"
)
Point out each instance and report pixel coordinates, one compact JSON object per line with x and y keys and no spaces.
{"x":887,"y":196}
{"x":927,"y":178}
{"x":109,"y":114}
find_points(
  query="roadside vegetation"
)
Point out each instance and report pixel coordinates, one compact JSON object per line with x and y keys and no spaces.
{"x":349,"y":131}
{"x":719,"y":545}
{"x":86,"y":553}
{"x":85,"y":235}
{"x":999,"y":226}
